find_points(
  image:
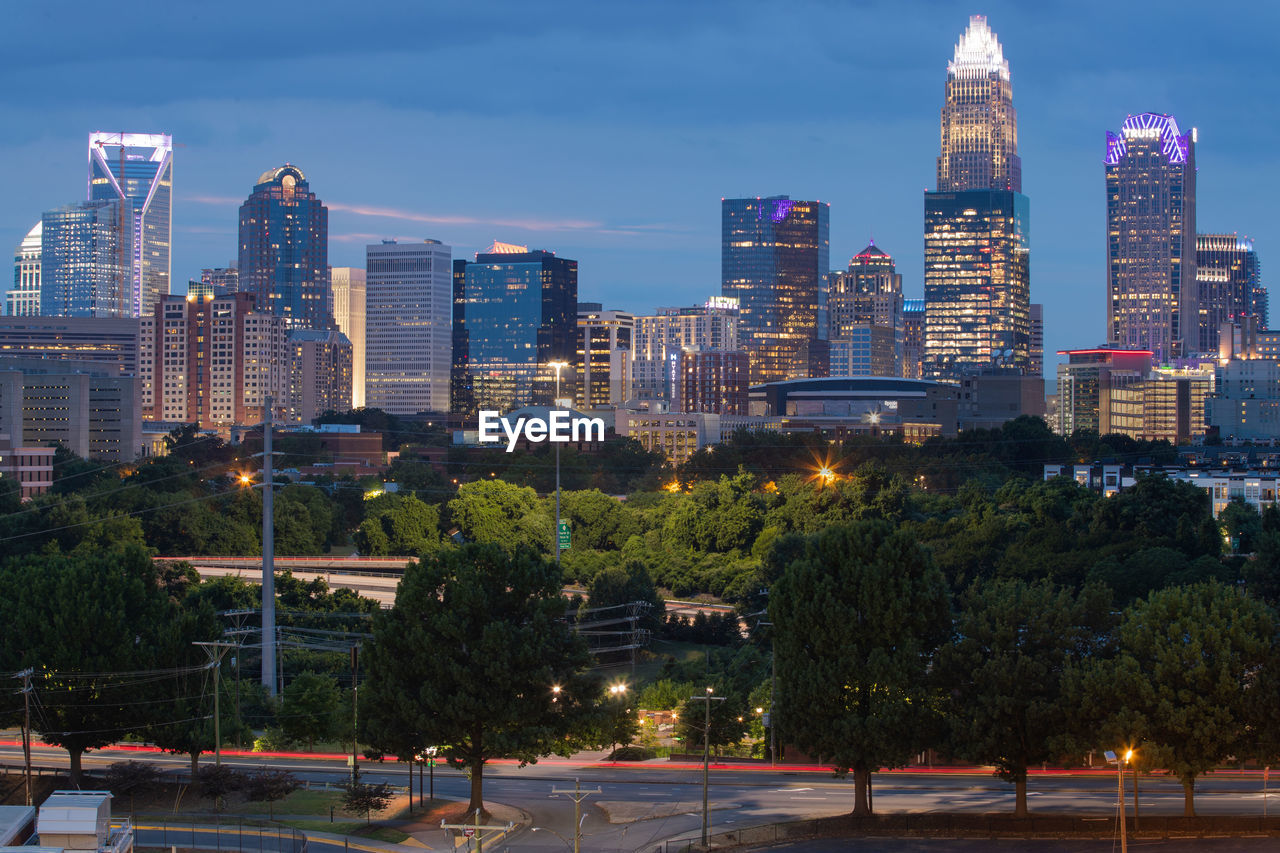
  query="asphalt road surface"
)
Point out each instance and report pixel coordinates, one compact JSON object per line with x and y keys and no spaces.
{"x":640,"y":805}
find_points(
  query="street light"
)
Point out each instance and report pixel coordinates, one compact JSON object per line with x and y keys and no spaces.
{"x":558,"y":366}
{"x":1120,"y":761}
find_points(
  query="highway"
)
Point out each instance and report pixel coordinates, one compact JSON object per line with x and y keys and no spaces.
{"x":640,"y":805}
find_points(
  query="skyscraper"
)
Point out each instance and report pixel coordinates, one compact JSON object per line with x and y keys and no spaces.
{"x":284,"y":249}
{"x":1229,"y":285}
{"x":604,"y":356}
{"x":977,"y":283}
{"x":515,"y":312}
{"x":1152,"y":303}
{"x":774,"y":261}
{"x":868,"y":293}
{"x":407,"y":305}
{"x":979,"y":123}
{"x":86,"y":260}
{"x":348,"y":287}
{"x":661,"y":338}
{"x":24,"y":299}
{"x":138,"y":167}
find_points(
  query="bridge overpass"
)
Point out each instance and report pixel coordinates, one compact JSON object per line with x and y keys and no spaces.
{"x":372,"y":577}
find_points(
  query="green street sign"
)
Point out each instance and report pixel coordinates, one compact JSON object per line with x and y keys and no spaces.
{"x":562,"y":535}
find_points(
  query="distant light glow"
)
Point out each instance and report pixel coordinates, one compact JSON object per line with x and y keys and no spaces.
{"x":500,"y":248}
{"x":782,"y":209}
{"x":1175,"y":145}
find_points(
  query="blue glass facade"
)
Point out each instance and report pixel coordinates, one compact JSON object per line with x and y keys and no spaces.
{"x":86,"y":260}
{"x":138,"y":167}
{"x":514,"y":313}
{"x":284,"y":250}
{"x":774,"y":261}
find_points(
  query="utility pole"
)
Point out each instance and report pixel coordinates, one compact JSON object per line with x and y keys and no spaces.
{"x":355,"y":727}
{"x":706,"y":762}
{"x":268,"y":559}
{"x":25,"y":675}
{"x":215,"y":651}
{"x":558,"y":365}
{"x":476,"y":830}
{"x":577,"y":795}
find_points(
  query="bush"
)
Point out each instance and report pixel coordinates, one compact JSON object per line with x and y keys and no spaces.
{"x":269,"y":786}
{"x":632,"y":753}
{"x":218,"y":780}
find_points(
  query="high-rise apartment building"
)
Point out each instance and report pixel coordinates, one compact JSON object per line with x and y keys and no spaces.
{"x":284,"y":250}
{"x":604,"y":356}
{"x":24,"y":299}
{"x":220,"y":281}
{"x":515,"y":312}
{"x":977,"y":284}
{"x":213,"y":361}
{"x":138,"y":168}
{"x":1229,"y":285}
{"x":347,"y":284}
{"x":86,"y":260}
{"x":660,"y":339}
{"x":407,"y":304}
{"x":774,"y":261}
{"x":713,"y":381}
{"x":1152,"y":301}
{"x":320,"y":377}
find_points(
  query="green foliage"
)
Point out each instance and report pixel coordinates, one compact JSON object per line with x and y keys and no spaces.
{"x":1242,"y":524}
{"x":494,"y":512}
{"x":311,"y":708}
{"x":728,"y":722}
{"x":362,"y":798}
{"x":1003,"y":671}
{"x":398,"y":525}
{"x":665,"y":694}
{"x":78,"y":619}
{"x":1181,"y":681}
{"x":625,"y":584}
{"x":858,"y":618}
{"x":270,"y":786}
{"x":476,"y":658}
{"x":218,"y":780}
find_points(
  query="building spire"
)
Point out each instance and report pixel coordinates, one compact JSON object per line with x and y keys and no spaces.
{"x":978,"y":53}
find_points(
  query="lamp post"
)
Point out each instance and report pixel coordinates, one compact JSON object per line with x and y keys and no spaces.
{"x":706,"y":761}
{"x":1120,"y":761}
{"x":558,"y":365}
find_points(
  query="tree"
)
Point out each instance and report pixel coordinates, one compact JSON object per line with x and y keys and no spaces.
{"x":360,"y":797}
{"x":500,"y":513}
{"x":129,"y":777}
{"x":625,"y":584}
{"x":399,"y":525}
{"x":1188,"y":657}
{"x":269,"y":786}
{"x":1003,"y":672}
{"x":858,"y":616}
{"x":218,"y":780}
{"x":310,"y":708}
{"x":728,"y":722}
{"x":96,"y":628}
{"x":476,"y":657}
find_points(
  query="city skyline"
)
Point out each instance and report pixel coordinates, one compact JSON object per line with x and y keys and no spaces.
{"x":657,"y":148}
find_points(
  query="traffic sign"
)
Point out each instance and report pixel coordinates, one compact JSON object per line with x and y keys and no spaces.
{"x":563,"y":535}
{"x":469,"y":831}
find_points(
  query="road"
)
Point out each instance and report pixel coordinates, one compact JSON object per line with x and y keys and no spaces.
{"x":641,"y":804}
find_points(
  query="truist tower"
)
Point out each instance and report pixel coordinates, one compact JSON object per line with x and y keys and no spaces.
{"x":977,"y":225}
{"x":138,"y":168}
{"x":1152,"y":302}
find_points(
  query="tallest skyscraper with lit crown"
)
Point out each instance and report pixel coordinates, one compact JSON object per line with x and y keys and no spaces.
{"x":977,"y":235}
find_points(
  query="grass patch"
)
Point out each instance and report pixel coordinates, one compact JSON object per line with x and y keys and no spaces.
{"x":300,"y":802}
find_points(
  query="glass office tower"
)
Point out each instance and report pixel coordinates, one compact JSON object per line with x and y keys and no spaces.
{"x":138,"y":167}
{"x":284,"y":250}
{"x":86,"y":260}
{"x":977,"y":270}
{"x":515,"y":312}
{"x":774,"y":261}
{"x":1152,"y":301}
{"x":1229,"y":282}
{"x":977,"y":282}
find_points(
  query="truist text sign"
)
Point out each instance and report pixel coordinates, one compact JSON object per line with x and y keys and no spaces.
{"x":560,"y":426}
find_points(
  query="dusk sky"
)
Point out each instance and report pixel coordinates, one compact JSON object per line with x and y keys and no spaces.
{"x":608,"y":132}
